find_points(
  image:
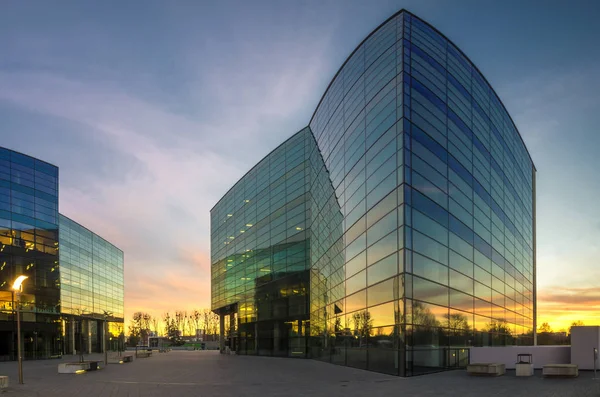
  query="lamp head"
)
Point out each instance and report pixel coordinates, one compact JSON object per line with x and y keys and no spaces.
{"x":18,"y":284}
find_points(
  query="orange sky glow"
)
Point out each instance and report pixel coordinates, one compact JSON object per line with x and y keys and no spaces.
{"x":559,"y":307}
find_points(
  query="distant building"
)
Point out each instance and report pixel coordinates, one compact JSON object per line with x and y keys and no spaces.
{"x":75,"y":277}
{"x":158,"y":342}
{"x":394,"y":231}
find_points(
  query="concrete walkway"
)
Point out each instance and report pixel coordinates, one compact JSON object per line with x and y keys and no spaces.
{"x":207,"y":373}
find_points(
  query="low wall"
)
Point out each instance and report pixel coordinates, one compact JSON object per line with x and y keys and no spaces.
{"x":583,"y":341}
{"x":507,"y":355}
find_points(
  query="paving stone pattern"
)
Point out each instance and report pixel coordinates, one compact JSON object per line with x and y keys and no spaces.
{"x":207,"y":373}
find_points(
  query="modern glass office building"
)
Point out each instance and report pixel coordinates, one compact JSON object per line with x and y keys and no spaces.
{"x":30,"y":236}
{"x":416,"y":230}
{"x":260,"y":253}
{"x":91,"y":287}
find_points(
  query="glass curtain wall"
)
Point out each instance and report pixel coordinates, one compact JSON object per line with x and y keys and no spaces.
{"x":359,"y":133}
{"x":29,"y":246}
{"x":419,"y":225}
{"x":469,"y":221}
{"x":436,"y":189}
{"x":92,"y":287}
{"x":260,"y":262}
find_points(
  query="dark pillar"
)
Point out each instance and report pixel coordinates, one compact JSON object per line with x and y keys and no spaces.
{"x":256,"y":338}
{"x":72,"y":324}
{"x":231,"y":331}
{"x":221,"y":333}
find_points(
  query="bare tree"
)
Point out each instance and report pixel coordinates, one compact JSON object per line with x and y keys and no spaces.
{"x":186,"y":323}
{"x":140,"y":325}
{"x":205,"y":316}
{"x":167,"y":323}
{"x":179,"y":321}
{"x":214,"y":320}
{"x":545,"y":334}
{"x":545,"y":327}
{"x":196,"y":316}
{"x":211,"y":324}
{"x":191,"y":330}
{"x":577,"y":323}
{"x":362,"y":324}
{"x":134,"y":334}
{"x":146,"y":321}
{"x":155,"y":326}
{"x":189,"y":323}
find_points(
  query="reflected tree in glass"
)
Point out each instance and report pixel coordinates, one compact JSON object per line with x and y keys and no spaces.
{"x":500,"y":332}
{"x":362,"y":325}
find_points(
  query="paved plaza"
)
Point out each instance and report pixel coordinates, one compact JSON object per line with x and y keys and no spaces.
{"x":207,"y":373}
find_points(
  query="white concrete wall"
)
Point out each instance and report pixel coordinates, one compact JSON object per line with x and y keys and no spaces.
{"x":583,"y":341}
{"x":507,"y":355}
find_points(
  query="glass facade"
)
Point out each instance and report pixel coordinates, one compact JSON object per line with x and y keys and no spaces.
{"x":420,"y":223}
{"x":91,"y":278}
{"x":31,"y":238}
{"x":260,"y":253}
{"x":29,"y":246}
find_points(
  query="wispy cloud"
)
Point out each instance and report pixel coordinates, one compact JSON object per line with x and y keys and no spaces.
{"x":570,"y":296}
{"x":171,"y":166}
{"x":560,"y":306}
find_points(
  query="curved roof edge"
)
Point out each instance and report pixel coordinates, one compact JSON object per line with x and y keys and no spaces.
{"x":256,"y":165}
{"x":444,"y":37}
{"x":30,"y":156}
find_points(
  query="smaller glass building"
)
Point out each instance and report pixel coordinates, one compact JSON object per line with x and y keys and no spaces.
{"x":91,"y":280}
{"x":75,"y":278}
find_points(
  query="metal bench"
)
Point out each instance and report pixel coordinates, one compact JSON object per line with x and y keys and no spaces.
{"x":560,"y":370}
{"x":486,"y":369}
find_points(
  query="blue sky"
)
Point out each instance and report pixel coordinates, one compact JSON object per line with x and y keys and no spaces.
{"x":153,"y":109}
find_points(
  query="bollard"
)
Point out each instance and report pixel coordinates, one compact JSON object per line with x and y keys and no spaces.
{"x":595,"y":349}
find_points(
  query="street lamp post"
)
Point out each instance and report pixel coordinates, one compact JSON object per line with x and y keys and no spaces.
{"x":18,"y":288}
